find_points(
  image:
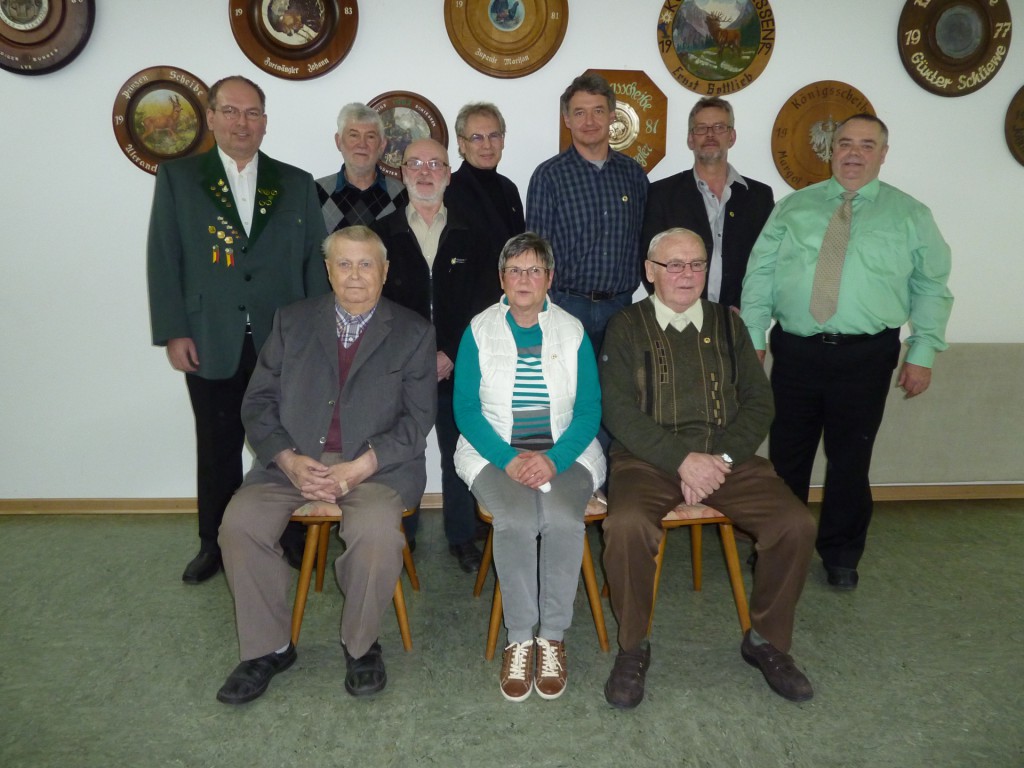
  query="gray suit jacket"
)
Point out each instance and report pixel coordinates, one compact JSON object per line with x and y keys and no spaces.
{"x":388,"y":403}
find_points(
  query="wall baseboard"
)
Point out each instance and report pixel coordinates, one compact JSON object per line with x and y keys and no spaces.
{"x":433,"y":500}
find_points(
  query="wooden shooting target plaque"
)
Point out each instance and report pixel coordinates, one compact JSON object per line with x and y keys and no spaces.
{"x":506,"y":38}
{"x":407,"y":117}
{"x":40,"y":36}
{"x":295,"y":39}
{"x":1015,"y":126}
{"x":160,"y":114}
{"x":954,"y":47}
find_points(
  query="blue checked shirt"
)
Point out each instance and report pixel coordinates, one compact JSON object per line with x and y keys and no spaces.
{"x":351,"y":327}
{"x":592,"y":219}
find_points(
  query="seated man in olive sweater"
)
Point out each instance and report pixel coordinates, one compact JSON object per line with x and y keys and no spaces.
{"x":687,"y":403}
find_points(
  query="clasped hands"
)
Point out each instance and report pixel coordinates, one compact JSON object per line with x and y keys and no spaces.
{"x":701,"y":474}
{"x":319,"y":482}
{"x":531,"y":468}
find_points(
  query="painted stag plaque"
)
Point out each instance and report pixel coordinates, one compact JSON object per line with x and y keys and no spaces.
{"x":506,"y":38}
{"x":295,"y":39}
{"x":954,"y":47}
{"x":803,"y":130}
{"x":639,"y":126}
{"x":160,"y":114}
{"x":407,"y":117}
{"x":1015,"y":126}
{"x":716,"y":47}
{"x":40,"y":36}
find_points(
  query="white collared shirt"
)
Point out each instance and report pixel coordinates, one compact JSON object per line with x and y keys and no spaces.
{"x":678,"y":320}
{"x":243,"y":186}
{"x":715,"y":210}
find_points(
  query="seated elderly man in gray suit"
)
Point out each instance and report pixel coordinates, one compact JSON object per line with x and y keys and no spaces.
{"x":337,"y":412}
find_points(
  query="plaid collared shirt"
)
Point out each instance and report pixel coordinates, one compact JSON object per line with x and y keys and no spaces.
{"x":592,"y":217}
{"x":351,"y":327}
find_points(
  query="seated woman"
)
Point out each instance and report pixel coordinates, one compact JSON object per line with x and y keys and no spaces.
{"x":528,"y":405}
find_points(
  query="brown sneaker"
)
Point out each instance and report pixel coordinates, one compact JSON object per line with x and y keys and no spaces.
{"x":625,"y":686}
{"x":778,"y":669}
{"x":551,"y":672}
{"x":517,"y":662}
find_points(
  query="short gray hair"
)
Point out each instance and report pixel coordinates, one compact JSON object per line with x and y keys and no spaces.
{"x":354,"y":234}
{"x":359,"y":113}
{"x":675,"y":232}
{"x":477,"y":108}
{"x":528,"y":242}
{"x":711,"y":102}
{"x":868,"y":117}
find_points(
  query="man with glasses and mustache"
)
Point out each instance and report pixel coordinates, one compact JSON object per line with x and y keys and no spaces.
{"x":687,"y":403}
{"x":233,"y":236}
{"x":437,"y":270}
{"x":726,"y":209}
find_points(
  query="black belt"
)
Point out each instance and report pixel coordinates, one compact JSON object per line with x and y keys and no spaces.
{"x":592,"y":295}
{"x":837,"y":339}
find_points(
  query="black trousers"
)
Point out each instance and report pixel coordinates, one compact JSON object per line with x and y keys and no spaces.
{"x":220,"y":437}
{"x":839,"y":391}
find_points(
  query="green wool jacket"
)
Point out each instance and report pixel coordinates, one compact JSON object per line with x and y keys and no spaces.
{"x":666,"y":394}
{"x":206,"y":276}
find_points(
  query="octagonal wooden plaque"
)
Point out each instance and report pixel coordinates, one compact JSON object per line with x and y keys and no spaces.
{"x":639,"y":126}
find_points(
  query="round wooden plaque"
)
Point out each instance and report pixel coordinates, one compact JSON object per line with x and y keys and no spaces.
{"x":506,"y":38}
{"x":407,"y":117}
{"x":160,"y":114}
{"x":802,"y":134}
{"x":641,"y":111}
{"x":302,"y":40}
{"x":1015,"y":126}
{"x":954,"y":47}
{"x":718,"y":48}
{"x":40,"y":36}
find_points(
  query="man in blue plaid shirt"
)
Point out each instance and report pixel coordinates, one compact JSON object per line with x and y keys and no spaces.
{"x":588,"y":201}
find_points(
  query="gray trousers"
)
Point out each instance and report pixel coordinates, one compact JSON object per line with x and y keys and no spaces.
{"x":536,"y":588}
{"x":259,"y":577}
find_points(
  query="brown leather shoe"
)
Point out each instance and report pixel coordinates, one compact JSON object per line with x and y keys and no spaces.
{"x":625,"y":686}
{"x":778,"y":669}
{"x":551,"y":676}
{"x":516,"y":676}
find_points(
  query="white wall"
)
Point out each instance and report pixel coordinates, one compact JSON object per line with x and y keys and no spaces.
{"x":89,"y":409}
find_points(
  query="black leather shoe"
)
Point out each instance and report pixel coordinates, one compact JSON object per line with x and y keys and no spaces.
{"x":366,"y":675}
{"x":203,"y":566}
{"x":250,"y":679}
{"x":293,"y":553}
{"x":842,"y":578}
{"x":778,"y":669}
{"x":625,"y":686}
{"x":468,"y":555}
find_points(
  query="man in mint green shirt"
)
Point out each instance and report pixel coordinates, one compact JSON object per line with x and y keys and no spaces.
{"x":831,"y":375}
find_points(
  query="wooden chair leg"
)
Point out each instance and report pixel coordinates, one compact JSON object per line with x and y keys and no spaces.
{"x":410,"y":566}
{"x":323,"y":539}
{"x":485,"y":564}
{"x":309,"y":555}
{"x":495,"y":624}
{"x":402,"y":615}
{"x":732,"y":561}
{"x":658,"y":560}
{"x":590,"y":582}
{"x":696,"y":558}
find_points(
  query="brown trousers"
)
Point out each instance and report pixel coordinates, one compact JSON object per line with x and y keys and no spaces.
{"x":753,"y":497}
{"x":259,"y":576}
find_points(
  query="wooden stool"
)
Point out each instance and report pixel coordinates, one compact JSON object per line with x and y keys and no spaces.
{"x":318,"y":534}
{"x":694,"y":517}
{"x":595,"y":513}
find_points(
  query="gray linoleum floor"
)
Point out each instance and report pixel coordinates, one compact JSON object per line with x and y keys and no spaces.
{"x":107,"y":659}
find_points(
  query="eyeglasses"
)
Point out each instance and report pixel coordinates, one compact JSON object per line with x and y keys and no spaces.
{"x":479,"y":138}
{"x":675,"y":267}
{"x":700,"y":130}
{"x":415,"y":164}
{"x":531,"y":272}
{"x":234,"y":113}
